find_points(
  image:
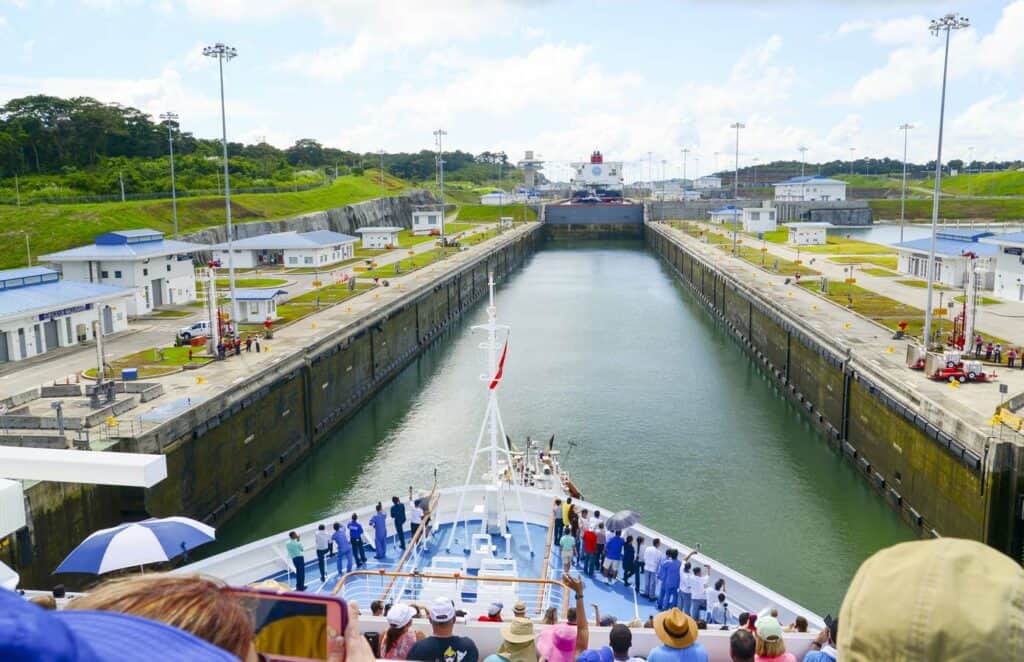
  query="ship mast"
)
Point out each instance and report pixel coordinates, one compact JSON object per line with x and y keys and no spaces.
{"x":492,"y":435}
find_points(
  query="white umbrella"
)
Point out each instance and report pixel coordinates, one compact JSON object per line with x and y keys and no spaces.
{"x":136,"y":544}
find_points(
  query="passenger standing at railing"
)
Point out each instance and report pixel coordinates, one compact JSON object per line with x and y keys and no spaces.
{"x":379,"y":522}
{"x":558,"y":520}
{"x":323,"y":543}
{"x":668,"y":574}
{"x":294,"y":548}
{"x":398,"y":514}
{"x":344,"y":543}
{"x":638,"y":573}
{"x":652,"y":561}
{"x":415,"y":514}
{"x":567,"y":545}
{"x":628,"y":561}
{"x":355,"y":535}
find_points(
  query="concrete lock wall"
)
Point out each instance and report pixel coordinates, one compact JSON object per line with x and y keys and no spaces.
{"x":929,"y":476}
{"x":226,"y":450}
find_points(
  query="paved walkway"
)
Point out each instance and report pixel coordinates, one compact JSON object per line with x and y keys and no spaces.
{"x":870,"y":344}
{"x":1005,"y":320}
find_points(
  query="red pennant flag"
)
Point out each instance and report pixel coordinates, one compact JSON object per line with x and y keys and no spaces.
{"x":501,"y":367}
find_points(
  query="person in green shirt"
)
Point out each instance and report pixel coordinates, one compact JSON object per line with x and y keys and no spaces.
{"x":294,"y":548}
{"x":566,"y":543}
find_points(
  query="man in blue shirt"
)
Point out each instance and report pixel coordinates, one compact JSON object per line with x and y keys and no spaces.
{"x":668,"y":573}
{"x":355,"y":535}
{"x":678,"y":634}
{"x":398,"y":514}
{"x":379,"y":522}
{"x":341,"y":539}
{"x":613,"y":556}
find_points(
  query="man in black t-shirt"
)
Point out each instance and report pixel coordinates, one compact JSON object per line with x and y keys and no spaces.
{"x":398,"y":514}
{"x":442,"y":646}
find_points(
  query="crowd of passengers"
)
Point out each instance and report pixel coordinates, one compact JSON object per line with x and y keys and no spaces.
{"x":943,"y":599}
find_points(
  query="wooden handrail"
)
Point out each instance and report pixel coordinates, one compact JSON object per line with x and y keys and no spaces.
{"x":547,"y":557}
{"x":456,"y":576}
{"x":432,"y":500}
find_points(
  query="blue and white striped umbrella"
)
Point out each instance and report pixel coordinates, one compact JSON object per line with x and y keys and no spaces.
{"x":136,"y":544}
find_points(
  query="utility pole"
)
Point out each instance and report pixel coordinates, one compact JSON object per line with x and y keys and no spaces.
{"x":754,"y":161}
{"x":170,"y":118}
{"x":28,"y":248}
{"x":686,"y":150}
{"x":803,"y":159}
{"x":736,"y":170}
{"x":946,"y":24}
{"x":970,"y":160}
{"x":120,"y":178}
{"x":650,"y":172}
{"x":852,"y":149}
{"x":17,"y":191}
{"x":381,"y":153}
{"x":903,"y":191}
{"x":440,"y":134}
{"x":226,"y":53}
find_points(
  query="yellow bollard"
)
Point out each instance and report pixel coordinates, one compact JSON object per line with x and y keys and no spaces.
{"x":200,"y":379}
{"x":313,"y":325}
{"x":789,"y":294}
{"x":814,"y":307}
{"x":377,"y":295}
{"x":890,"y":349}
{"x":846,"y":325}
{"x":954,"y":384}
{"x":348,"y":309}
{"x":111,"y":422}
{"x":266,"y":348}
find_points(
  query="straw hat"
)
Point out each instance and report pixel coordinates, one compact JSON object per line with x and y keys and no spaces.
{"x":675,"y":629}
{"x":520,"y":631}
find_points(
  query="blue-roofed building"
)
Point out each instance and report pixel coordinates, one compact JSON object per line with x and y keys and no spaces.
{"x":319,"y":248}
{"x":159,"y":270}
{"x":810,"y":188}
{"x":957,"y":252}
{"x":256,"y":305}
{"x":726,"y":214}
{"x":1008,"y":279}
{"x":40,"y":312}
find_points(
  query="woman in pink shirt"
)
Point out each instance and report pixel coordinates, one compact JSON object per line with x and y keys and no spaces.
{"x":770,"y":647}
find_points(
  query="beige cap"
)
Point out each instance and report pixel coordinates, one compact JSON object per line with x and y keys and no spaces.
{"x":944,"y":599}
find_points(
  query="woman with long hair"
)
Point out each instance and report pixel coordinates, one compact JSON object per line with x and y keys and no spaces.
{"x":398,"y":640}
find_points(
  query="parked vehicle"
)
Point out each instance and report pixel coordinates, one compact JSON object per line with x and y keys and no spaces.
{"x":187,"y":333}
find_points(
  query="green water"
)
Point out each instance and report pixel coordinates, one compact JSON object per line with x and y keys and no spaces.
{"x":669,"y":416}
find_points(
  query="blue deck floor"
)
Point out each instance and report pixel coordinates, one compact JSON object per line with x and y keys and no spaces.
{"x":612,"y":599}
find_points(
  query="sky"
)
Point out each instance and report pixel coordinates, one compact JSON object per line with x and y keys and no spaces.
{"x":561,"y":78}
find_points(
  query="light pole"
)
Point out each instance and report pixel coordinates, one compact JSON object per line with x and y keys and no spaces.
{"x":716,"y":164}
{"x":970,"y":160}
{"x":686,"y":150}
{"x":650,"y":171}
{"x":903,"y":190}
{"x":224,"y":54}
{"x":440,"y":134}
{"x":803,"y":162}
{"x":736,"y":169}
{"x":755,"y":161}
{"x":171,"y":119}
{"x":380,"y":152}
{"x":946,"y":24}
{"x":852,"y":150}
{"x":28,"y":248}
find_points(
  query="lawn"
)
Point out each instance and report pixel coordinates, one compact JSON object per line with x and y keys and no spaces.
{"x":981,"y":301}
{"x":986,"y":183}
{"x":54,"y":228}
{"x":996,"y":209}
{"x":419,"y":261}
{"x":331,"y":267}
{"x":843,"y":246}
{"x":492,"y":213}
{"x":170,"y":314}
{"x":878,"y":261}
{"x":250,"y":282}
{"x":150,"y":364}
{"x":752,"y":254}
{"x":913,"y":282}
{"x":872,"y":305}
{"x":306,"y":304}
{"x":875,"y":271}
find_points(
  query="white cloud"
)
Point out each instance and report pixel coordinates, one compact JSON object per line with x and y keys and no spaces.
{"x":994,"y":120}
{"x":3,"y":22}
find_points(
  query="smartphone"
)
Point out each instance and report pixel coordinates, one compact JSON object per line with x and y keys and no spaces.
{"x":293,"y":626}
{"x":373,"y":638}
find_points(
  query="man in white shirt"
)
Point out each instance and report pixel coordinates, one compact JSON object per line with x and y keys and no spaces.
{"x":415,"y":514}
{"x":698,"y":591}
{"x":323,"y":543}
{"x":652,"y":559}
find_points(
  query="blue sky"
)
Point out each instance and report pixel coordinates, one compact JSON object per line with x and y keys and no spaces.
{"x":561,"y":78}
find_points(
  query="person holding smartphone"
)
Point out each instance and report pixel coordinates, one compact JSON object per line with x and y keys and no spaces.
{"x":295,"y":551}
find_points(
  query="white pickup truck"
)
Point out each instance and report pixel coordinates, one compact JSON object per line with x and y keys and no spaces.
{"x":187,"y":333}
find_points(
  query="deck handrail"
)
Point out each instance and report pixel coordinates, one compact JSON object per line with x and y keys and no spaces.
{"x":456,"y":576}
{"x":547,"y":558}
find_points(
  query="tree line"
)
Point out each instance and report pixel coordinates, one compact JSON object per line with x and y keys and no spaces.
{"x":81,"y":145}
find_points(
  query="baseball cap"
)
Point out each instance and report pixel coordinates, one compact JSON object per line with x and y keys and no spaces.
{"x":28,"y":632}
{"x":442,"y":610}
{"x":768,"y":627}
{"x":495,"y":609}
{"x":399,"y":615}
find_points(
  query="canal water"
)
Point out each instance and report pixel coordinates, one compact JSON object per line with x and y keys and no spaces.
{"x":654,"y":408}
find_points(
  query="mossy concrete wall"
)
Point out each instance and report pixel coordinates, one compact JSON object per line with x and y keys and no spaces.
{"x":929,"y":475}
{"x":228,"y":449}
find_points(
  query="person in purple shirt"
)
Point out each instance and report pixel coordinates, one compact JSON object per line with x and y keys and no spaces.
{"x":355,"y":535}
{"x":668,"y":573}
{"x":613,"y":556}
{"x":379,"y":522}
{"x":341,"y":539}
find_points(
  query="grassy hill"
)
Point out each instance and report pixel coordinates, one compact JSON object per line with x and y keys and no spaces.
{"x":986,"y":183}
{"x":58,"y":227}
{"x":493,"y":213}
{"x":999,"y":209}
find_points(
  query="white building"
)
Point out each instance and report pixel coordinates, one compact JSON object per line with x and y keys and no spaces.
{"x":320,"y":248}
{"x":255,"y":306}
{"x":427,"y":220}
{"x":707,"y":182}
{"x":386,"y":237}
{"x":1008,"y":281}
{"x":808,"y":234}
{"x":497,"y":198}
{"x":759,"y":219}
{"x":728,"y":214}
{"x":40,"y":312}
{"x":159,"y":270}
{"x":957,"y":252}
{"x":809,"y":188}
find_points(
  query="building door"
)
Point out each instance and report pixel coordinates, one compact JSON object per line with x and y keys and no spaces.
{"x":39,"y":338}
{"x":4,"y":355}
{"x":22,"y":345}
{"x":52,"y":335}
{"x":108,"y":320}
{"x":158,"y":292}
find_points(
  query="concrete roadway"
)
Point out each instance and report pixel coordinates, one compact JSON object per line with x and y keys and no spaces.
{"x":144,"y":333}
{"x":869,"y":343}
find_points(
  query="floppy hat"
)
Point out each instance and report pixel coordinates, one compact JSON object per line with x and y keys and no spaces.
{"x":675,"y":629}
{"x":520,"y":631}
{"x":28,"y":632}
{"x":442,"y":610}
{"x":495,"y":609}
{"x":942,"y":599}
{"x":519,"y":609}
{"x":768,"y":627}
{"x":558,"y":643}
{"x":400,"y":614}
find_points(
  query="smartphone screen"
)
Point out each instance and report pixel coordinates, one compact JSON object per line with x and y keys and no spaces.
{"x":293,"y":627}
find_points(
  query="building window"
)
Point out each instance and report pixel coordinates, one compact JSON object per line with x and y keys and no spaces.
{"x":117,"y":274}
{"x":104,"y":274}
{"x":292,"y":259}
{"x":323,"y":258}
{"x":145,"y":271}
{"x":168,"y":267}
{"x":254,"y":308}
{"x":308,"y":259}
